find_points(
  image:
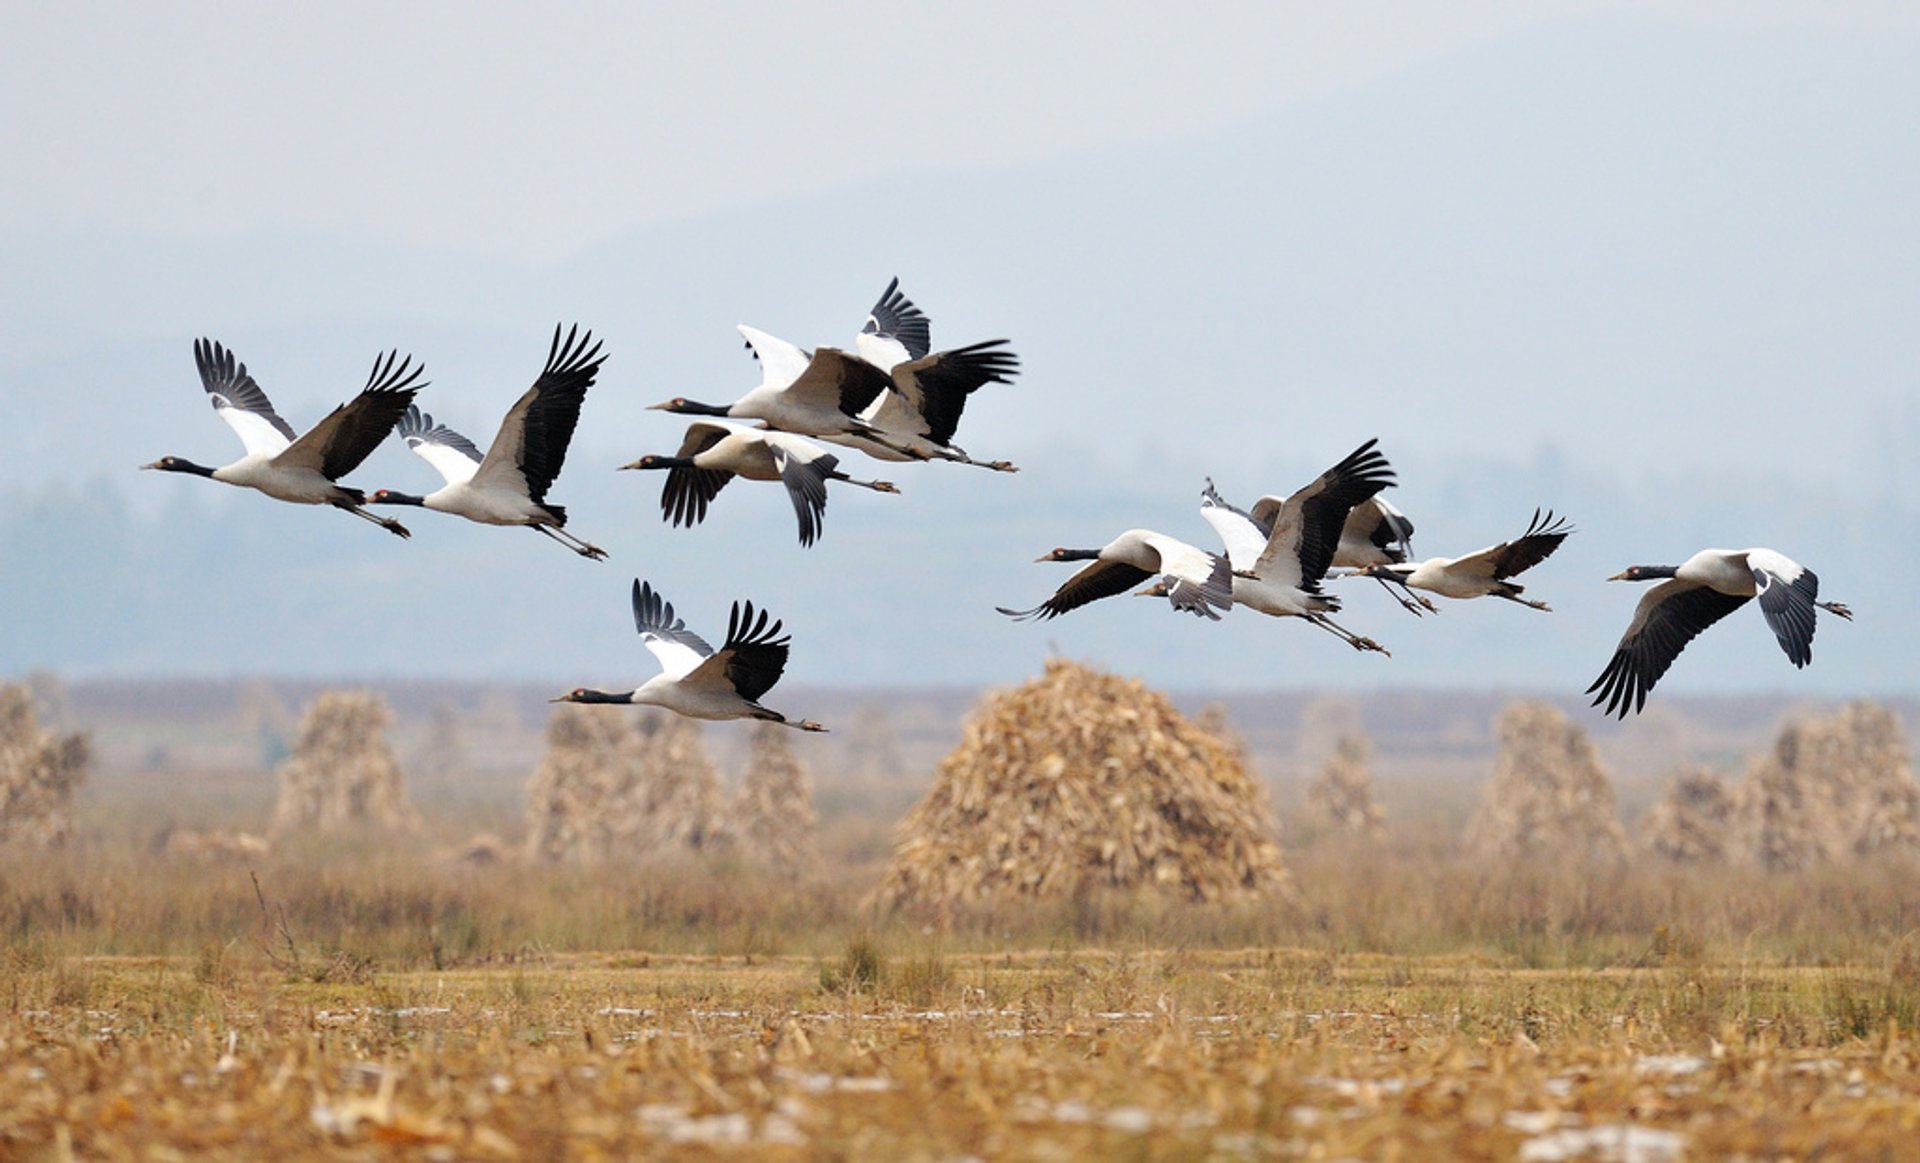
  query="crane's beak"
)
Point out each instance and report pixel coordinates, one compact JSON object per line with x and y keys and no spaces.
{"x":1621,"y":576}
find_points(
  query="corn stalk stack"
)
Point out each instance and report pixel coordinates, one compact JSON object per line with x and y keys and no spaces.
{"x":1834,"y":787}
{"x":686,"y":809}
{"x":1549,"y":798}
{"x":1340,"y":802}
{"x":1693,"y":823}
{"x":773,"y":821}
{"x":39,"y":772}
{"x":587,"y":799}
{"x":1077,"y":782}
{"x":342,"y":772}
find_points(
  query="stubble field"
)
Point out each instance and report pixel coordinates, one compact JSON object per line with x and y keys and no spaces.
{"x":384,"y":1005}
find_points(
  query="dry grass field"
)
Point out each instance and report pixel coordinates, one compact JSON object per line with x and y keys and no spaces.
{"x":380,"y":1002}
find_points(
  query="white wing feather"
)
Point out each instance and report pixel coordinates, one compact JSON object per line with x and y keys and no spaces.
{"x":1244,"y":541}
{"x":677,"y":659}
{"x":780,"y":362}
{"x":256,"y":433}
{"x":456,"y":466}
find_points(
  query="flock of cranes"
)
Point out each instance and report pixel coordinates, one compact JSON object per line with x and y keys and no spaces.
{"x":893,"y":398}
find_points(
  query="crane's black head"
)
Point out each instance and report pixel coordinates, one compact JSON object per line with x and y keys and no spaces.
{"x":389,"y":497}
{"x":651,"y":461}
{"x":1644,"y":572}
{"x":1391,"y":571}
{"x":177,"y":464}
{"x":686,"y":407}
{"x":1058,"y":554}
{"x":583,"y":695}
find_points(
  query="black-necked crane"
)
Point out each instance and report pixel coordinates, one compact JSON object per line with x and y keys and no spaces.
{"x":1484,"y":573}
{"x":1193,"y":579}
{"x":818,"y":393}
{"x":696,"y":680}
{"x":917,"y":419}
{"x":508,"y":485}
{"x":712,"y":453}
{"x":304,"y":470}
{"x":1697,"y":593}
{"x":1282,"y":549}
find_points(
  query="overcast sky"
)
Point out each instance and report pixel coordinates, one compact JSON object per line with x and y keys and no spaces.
{"x":1225,"y":238}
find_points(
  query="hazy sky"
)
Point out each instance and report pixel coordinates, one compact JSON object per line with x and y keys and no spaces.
{"x":1529,"y":245}
{"x":536,"y":130}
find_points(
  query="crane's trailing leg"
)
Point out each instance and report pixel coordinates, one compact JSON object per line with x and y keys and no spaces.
{"x":387,"y":523}
{"x":1357,"y":641}
{"x":584,"y":548}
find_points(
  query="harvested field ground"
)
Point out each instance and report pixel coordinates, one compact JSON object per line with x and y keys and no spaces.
{"x":902,"y":1051}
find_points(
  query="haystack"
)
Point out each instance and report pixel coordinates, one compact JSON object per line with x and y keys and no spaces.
{"x":587,"y":799}
{"x":1548,"y":796}
{"x":772,"y":819}
{"x":342,"y":772}
{"x":1080,"y":781}
{"x":1340,"y":802}
{"x":1693,"y":824}
{"x":611,"y":786}
{"x":685,"y":807}
{"x":39,"y":772}
{"x":1834,"y":786}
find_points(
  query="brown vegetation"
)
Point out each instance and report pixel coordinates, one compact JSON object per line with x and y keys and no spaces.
{"x":1693,"y":824}
{"x":1834,"y":787}
{"x":1340,"y":803}
{"x":1081,"y":781}
{"x":39,"y":772}
{"x":342,"y":773}
{"x":772,"y":817}
{"x":1549,"y":797}
{"x":613,"y":787}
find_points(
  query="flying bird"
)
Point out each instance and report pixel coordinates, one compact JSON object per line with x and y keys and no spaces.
{"x":508,"y":486}
{"x":696,"y":680}
{"x":1282,"y":549}
{"x":304,"y":470}
{"x":1483,"y":573}
{"x":713,"y":453}
{"x":819,"y":393}
{"x":1194,"y":580}
{"x":917,"y":419}
{"x":1697,"y":593}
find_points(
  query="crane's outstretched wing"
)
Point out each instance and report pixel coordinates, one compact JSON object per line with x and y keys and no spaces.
{"x":1245,"y":538}
{"x":452,"y":455}
{"x":1499,"y":562}
{"x":1306,"y":526}
{"x":1382,"y":526}
{"x":350,"y":432}
{"x":1669,"y":616}
{"x":1787,"y":591}
{"x":938,"y":385}
{"x":532,"y":441}
{"x":678,"y":648}
{"x":1090,"y":583}
{"x":839,"y":379}
{"x":752,"y":658}
{"x":805,"y":472}
{"x":238,"y":400}
{"x":689,"y":490}
{"x":780,"y":362}
{"x":895,"y":331}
